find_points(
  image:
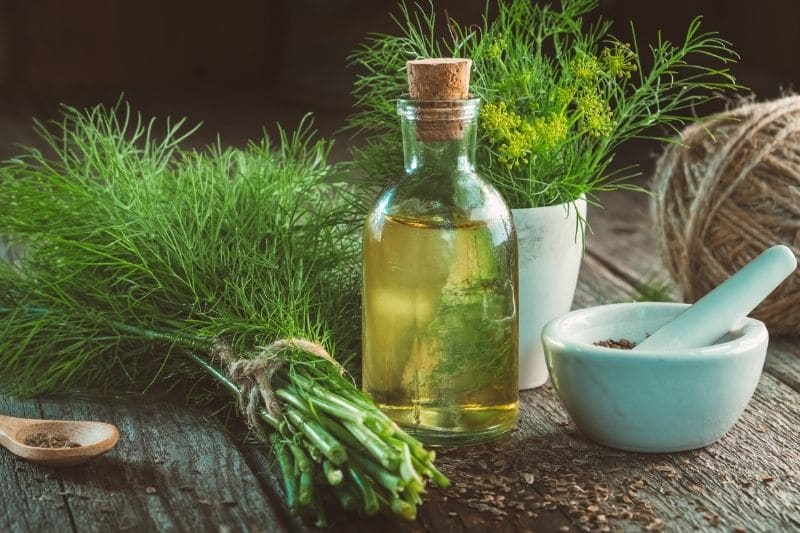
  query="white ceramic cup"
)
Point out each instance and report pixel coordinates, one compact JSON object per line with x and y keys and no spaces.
{"x":550,"y":244}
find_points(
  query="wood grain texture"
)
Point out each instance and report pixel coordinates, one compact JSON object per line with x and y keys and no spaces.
{"x":783,"y":360}
{"x":173,"y":470}
{"x":31,"y":497}
{"x":544,"y":476}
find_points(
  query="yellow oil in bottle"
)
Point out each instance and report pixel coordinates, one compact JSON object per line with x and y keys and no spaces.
{"x":440,"y":355}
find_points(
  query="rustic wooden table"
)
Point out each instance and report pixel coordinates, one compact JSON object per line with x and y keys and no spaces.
{"x":177,"y":469}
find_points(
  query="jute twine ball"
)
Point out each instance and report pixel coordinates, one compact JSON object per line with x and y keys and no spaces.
{"x":729,"y":192}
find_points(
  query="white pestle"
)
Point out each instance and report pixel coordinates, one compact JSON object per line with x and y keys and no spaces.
{"x":713,"y":315}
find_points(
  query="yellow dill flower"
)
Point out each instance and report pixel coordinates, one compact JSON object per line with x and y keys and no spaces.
{"x":564,"y":96}
{"x":529,"y":134}
{"x":498,"y":121}
{"x":620,"y":61}
{"x":515,"y":137}
{"x":515,"y":151}
{"x":595,"y":112}
{"x":518,"y":145}
{"x":585,"y":67}
{"x":496,"y":47}
{"x":554,"y":130}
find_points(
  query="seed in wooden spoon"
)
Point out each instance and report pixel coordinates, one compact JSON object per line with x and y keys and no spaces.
{"x":46,"y":440}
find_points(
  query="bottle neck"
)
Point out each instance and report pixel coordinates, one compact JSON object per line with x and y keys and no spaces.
{"x":442,"y":156}
{"x":439,"y":136}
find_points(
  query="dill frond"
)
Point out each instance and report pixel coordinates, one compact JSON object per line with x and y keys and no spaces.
{"x":560,"y":96}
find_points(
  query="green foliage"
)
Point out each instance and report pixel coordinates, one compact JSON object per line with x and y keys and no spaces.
{"x":653,"y":289}
{"x":559,"y":96}
{"x":245,"y":245}
{"x":141,"y":259}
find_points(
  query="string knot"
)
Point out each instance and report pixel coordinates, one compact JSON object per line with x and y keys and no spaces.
{"x":253,"y":375}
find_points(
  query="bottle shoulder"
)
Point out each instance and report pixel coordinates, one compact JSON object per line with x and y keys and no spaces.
{"x":461,"y":198}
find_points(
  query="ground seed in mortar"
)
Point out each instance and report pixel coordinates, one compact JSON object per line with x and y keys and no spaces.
{"x":622,"y":344}
{"x":46,"y":440}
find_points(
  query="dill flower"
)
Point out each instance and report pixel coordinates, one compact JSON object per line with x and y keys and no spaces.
{"x":553,"y":131}
{"x":595,"y":113}
{"x":519,"y":144}
{"x":516,"y":148}
{"x":498,"y":121}
{"x":585,"y":67}
{"x":620,"y":61}
{"x":496,"y":47}
{"x":514,"y":137}
{"x":564,"y":96}
{"x":567,"y":88}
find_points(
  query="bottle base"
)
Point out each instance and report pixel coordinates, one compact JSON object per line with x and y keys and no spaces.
{"x":444,"y":439}
{"x":472,"y":429}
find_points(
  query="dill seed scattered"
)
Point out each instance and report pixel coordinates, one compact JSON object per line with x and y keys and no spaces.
{"x":46,"y":440}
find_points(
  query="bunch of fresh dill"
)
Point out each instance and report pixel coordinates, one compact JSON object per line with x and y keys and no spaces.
{"x":559,"y":96}
{"x":141,"y":261}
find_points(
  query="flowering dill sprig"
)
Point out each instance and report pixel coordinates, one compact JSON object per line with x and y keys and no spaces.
{"x":559,"y":96}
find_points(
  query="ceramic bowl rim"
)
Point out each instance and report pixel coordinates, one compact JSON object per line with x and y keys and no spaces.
{"x":754,"y":334}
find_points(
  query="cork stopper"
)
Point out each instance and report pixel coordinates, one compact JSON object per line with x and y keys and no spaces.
{"x":439,"y":78}
{"x":441,"y":84}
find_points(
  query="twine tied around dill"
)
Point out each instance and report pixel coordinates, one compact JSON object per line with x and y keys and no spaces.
{"x":253,"y":375}
{"x":727,"y":192}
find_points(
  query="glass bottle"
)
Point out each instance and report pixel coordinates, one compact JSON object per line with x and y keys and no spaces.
{"x":439,"y":294}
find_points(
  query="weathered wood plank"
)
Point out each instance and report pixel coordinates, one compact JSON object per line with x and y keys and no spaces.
{"x":31,"y":497}
{"x":744,"y":480}
{"x":173,"y":470}
{"x":783,"y":360}
{"x":623,"y":238}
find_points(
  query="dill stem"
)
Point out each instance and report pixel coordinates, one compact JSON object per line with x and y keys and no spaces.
{"x":376,"y":447}
{"x":386,"y":479}
{"x":431,"y":471}
{"x":338,"y":431}
{"x":301,"y":463}
{"x":215,"y":373}
{"x":290,"y":397}
{"x":407,"y":470}
{"x":349,"y":414}
{"x":306,"y":490}
{"x":327,"y":444}
{"x":287,"y":471}
{"x":364,"y":484}
{"x":327,"y":400}
{"x":321,"y":520}
{"x":347,"y":498}
{"x":332,"y":474}
{"x":417,"y":449}
{"x":397,"y":506}
{"x":173,"y":337}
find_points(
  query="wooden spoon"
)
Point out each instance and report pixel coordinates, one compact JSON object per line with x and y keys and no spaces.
{"x":95,"y":438}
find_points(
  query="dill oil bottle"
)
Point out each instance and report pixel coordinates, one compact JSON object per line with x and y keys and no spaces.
{"x":440,"y":268}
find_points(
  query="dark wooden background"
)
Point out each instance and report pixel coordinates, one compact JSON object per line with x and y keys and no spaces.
{"x":243,"y":64}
